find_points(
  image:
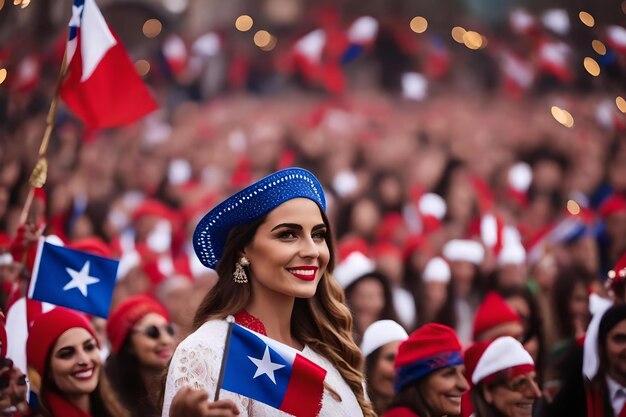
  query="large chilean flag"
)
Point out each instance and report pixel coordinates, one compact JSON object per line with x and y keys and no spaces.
{"x":272,"y":373}
{"x":103,"y":87}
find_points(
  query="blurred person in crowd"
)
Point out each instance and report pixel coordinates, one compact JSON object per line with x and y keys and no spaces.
{"x":274,"y":256}
{"x":370,"y":299}
{"x":142,"y":343}
{"x":388,"y":190}
{"x":380,"y":347}
{"x":465,"y":258}
{"x":430,"y":378}
{"x":503,"y":379}
{"x":389,"y":261}
{"x":570,"y":301}
{"x":13,"y":389}
{"x":359,"y":218}
{"x":599,"y":393}
{"x":522,"y":300}
{"x":434,"y":287}
{"x":176,"y":295}
{"x":64,"y":356}
{"x":495,"y":318}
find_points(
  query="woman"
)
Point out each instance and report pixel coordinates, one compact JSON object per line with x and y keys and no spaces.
{"x":142,"y":343}
{"x":503,"y":377}
{"x":367,"y":292}
{"x":65,"y":368}
{"x":271,"y":246}
{"x":430,"y":377}
{"x":379,"y":347}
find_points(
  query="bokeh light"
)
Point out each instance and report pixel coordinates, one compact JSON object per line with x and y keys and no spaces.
{"x":573,"y":208}
{"x":587,"y":19}
{"x":457,"y":34}
{"x":419,"y":24}
{"x":25,"y":4}
{"x":599,"y":47}
{"x":473,"y":40}
{"x":562,"y":116}
{"x":621,"y":104}
{"x":244,"y":23}
{"x":271,"y":45}
{"x":262,"y":38}
{"x":152,"y":28}
{"x":143,"y":67}
{"x":3,"y":75}
{"x":1,"y":4}
{"x":592,"y":66}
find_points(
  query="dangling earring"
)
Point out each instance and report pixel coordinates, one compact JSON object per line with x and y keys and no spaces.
{"x":239,"y":276}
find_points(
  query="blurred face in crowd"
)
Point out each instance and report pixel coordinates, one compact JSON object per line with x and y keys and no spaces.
{"x":579,"y":307}
{"x":435,"y":294}
{"x":463,"y":275}
{"x":383,"y":375}
{"x":460,"y":199}
{"x":75,"y":363}
{"x":522,"y":308}
{"x":367,"y":300}
{"x":364,"y":218}
{"x":442,"y":390}
{"x":547,"y":175}
{"x":515,"y":397}
{"x":153,"y":341}
{"x":616,"y":352}
{"x":288,"y":254}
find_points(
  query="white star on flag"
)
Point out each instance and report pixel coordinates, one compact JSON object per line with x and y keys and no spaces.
{"x":76,"y":12}
{"x":80,"y":279}
{"x":265,"y":366}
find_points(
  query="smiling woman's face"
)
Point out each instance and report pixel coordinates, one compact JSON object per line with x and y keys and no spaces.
{"x":443,"y":390}
{"x":75,"y":362}
{"x":516,"y":397}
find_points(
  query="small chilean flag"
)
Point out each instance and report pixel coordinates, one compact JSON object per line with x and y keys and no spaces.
{"x":103,"y":87}
{"x":272,"y":373}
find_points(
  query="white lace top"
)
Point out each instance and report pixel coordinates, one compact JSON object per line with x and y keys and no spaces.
{"x":197,"y":360}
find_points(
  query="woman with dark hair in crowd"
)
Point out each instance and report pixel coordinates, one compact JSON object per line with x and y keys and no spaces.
{"x":430,"y":377}
{"x":368,"y":292}
{"x":142,"y":343}
{"x":271,"y":246}
{"x":65,"y":368}
{"x":380,"y":347}
{"x":522,"y":300}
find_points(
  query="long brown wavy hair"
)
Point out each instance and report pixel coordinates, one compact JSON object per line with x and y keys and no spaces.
{"x":323,"y":322}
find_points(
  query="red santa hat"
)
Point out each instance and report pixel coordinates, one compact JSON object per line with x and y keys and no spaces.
{"x":355,"y":244}
{"x":432,"y":208}
{"x":464,"y":250}
{"x":486,"y":361}
{"x":493,"y":312}
{"x":127,"y":314}
{"x":45,"y":331}
{"x":429,"y":348}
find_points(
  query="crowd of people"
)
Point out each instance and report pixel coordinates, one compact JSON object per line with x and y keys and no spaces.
{"x":464,"y":254}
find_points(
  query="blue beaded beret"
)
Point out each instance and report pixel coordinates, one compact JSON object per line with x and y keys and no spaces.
{"x":249,"y":204}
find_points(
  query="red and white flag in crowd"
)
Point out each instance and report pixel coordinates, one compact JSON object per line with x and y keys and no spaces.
{"x":103,"y":87}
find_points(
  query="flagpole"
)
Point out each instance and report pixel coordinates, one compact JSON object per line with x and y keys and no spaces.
{"x":40,"y":171}
{"x":220,"y":379}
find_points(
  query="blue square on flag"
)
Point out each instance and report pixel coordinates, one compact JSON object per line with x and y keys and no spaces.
{"x":272,"y":373}
{"x":73,"y":279}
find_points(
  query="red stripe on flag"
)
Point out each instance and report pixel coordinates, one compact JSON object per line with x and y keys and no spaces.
{"x":114,"y":95}
{"x":303,"y":397}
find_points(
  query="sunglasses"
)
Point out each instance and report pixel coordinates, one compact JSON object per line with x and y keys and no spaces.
{"x":154,"y":331}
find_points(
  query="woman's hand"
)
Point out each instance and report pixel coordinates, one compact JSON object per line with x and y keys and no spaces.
{"x":195,"y":403}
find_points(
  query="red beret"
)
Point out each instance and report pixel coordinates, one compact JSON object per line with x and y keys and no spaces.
{"x":93,"y":245}
{"x":492,"y":312}
{"x":45,"y":331}
{"x":127,"y":314}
